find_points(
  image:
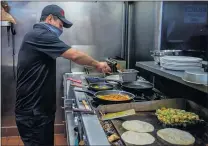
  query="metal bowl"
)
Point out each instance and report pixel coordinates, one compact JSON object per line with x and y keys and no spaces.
{"x":157,"y":54}
{"x":171,"y":52}
{"x":165,"y":52}
{"x":196,"y":77}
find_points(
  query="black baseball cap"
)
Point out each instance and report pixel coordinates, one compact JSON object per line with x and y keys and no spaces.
{"x":58,"y":12}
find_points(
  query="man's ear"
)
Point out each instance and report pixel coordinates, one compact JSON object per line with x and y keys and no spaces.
{"x":49,"y":18}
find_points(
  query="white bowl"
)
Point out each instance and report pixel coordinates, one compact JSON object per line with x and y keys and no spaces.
{"x":196,"y":77}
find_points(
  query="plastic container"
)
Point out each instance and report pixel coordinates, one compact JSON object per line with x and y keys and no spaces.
{"x":128,"y":75}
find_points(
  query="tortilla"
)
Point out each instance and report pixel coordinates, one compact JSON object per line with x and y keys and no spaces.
{"x":176,"y":136}
{"x":136,"y":138}
{"x":137,"y":126}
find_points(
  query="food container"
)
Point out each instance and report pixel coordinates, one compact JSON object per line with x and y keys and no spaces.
{"x":157,"y":54}
{"x":156,"y":59}
{"x":171,"y":52}
{"x":196,"y":77}
{"x":128,"y":75}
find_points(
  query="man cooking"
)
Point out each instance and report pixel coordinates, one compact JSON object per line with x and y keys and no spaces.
{"x":36,"y":79}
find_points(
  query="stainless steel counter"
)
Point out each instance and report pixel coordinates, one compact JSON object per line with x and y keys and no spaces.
{"x":93,"y":131}
{"x":172,"y":75}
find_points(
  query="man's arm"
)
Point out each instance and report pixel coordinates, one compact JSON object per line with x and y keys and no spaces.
{"x":83,"y":59}
{"x":79,"y":57}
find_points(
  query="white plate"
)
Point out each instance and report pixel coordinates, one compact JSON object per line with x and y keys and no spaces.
{"x":196,"y":76}
{"x":178,"y":68}
{"x":180,"y":59}
{"x":193,"y":82}
{"x":181,"y":65}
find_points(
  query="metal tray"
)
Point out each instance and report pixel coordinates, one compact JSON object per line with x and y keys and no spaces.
{"x":146,"y":112}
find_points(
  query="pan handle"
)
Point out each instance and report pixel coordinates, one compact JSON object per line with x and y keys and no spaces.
{"x":85,"y":91}
{"x":74,"y":80}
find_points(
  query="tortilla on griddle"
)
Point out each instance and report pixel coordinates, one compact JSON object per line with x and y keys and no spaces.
{"x":136,"y":138}
{"x":138,"y":126}
{"x":176,"y":136}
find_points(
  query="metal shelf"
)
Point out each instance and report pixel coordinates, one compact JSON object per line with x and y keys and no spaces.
{"x":5,"y":23}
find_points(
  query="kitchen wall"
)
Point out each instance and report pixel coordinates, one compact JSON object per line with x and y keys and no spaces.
{"x":96,"y":30}
{"x":146,"y":30}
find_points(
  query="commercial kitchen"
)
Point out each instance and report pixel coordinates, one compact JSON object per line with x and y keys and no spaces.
{"x":158,"y":53}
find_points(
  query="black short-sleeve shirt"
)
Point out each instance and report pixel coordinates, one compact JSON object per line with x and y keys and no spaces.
{"x":36,"y":71}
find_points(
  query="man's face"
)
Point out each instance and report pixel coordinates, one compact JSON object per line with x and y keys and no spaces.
{"x":55,"y":22}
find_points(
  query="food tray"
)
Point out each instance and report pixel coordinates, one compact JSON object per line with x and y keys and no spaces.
{"x":146,"y":112}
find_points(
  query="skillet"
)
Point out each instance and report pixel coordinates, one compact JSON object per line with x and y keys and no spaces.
{"x":96,"y":96}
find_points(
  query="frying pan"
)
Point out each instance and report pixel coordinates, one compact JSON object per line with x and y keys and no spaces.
{"x":135,"y":86}
{"x":96,"y":86}
{"x":141,"y":86}
{"x":92,"y":86}
{"x":108,"y":92}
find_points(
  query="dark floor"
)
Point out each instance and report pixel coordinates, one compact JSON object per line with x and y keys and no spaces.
{"x":59,"y":140}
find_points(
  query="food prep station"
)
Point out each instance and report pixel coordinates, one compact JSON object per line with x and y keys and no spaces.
{"x":86,"y":127}
{"x":119,"y":39}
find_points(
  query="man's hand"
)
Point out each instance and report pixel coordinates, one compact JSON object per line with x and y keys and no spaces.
{"x":103,"y":67}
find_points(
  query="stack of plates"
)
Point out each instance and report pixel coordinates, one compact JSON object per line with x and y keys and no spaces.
{"x":180,"y":63}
